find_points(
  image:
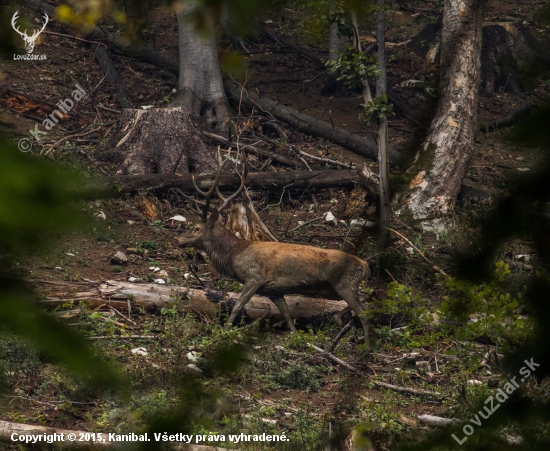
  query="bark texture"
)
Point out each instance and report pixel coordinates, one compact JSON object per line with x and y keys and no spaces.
{"x":441,"y":164}
{"x":159,"y":140}
{"x":200,"y":87}
{"x":152,"y":298}
{"x":383,"y":165}
{"x":110,"y":186}
{"x":245,"y":223}
{"x":510,"y":54}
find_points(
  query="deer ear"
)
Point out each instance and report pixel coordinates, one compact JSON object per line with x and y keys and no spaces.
{"x":214,"y":216}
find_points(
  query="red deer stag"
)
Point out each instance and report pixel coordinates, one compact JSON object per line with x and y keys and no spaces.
{"x":274,"y":269}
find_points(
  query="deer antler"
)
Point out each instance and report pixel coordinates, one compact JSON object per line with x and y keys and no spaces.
{"x":208,"y":194}
{"x":242,"y":176}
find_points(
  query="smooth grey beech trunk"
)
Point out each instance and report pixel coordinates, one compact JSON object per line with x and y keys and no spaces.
{"x":336,"y":46}
{"x":442,"y":162}
{"x":200,"y":87}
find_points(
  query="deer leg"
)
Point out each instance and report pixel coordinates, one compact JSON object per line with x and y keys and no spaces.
{"x":352,"y":299}
{"x":337,"y":317}
{"x":249,"y":289}
{"x":283,"y":308}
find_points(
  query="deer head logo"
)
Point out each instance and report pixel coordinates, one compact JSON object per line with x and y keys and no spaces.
{"x":29,"y":40}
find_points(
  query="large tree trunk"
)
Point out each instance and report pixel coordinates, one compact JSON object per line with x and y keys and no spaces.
{"x":441,"y":164}
{"x":159,"y":141}
{"x":336,"y":46}
{"x":384,"y":167}
{"x":200,"y":87}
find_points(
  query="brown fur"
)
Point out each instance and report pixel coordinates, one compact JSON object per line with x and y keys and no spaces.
{"x":274,"y":269}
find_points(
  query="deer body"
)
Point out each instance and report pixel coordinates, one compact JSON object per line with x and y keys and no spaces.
{"x":274,"y":269}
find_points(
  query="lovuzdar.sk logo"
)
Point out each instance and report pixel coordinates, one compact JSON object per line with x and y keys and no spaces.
{"x":29,"y":40}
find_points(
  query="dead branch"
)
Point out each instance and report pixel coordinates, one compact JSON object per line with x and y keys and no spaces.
{"x":434,"y":266}
{"x":334,"y":358}
{"x":412,"y":391}
{"x":308,"y":124}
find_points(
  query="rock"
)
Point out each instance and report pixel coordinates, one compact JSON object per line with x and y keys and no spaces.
{"x":132,"y":279}
{"x":160,"y":281}
{"x":329,"y":218}
{"x":119,"y":258}
{"x":178,"y":218}
{"x":100,"y":215}
{"x":139,"y":351}
{"x":193,"y":369}
{"x":193,"y":356}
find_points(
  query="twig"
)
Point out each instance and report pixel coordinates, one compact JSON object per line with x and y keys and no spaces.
{"x":111,"y":110}
{"x":50,"y":147}
{"x":326,"y":160}
{"x":412,"y":391}
{"x":121,"y":337}
{"x":340,"y":335}
{"x":306,"y":223}
{"x":334,"y":358}
{"x":196,"y":276}
{"x":434,"y":266}
{"x":123,"y":316}
{"x":305,"y":162}
{"x":75,"y":38}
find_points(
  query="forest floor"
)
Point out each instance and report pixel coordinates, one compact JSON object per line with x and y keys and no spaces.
{"x":282,"y":386}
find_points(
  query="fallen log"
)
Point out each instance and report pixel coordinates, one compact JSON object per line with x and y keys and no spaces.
{"x":102,"y":56}
{"x":153,"y":297}
{"x":301,"y":121}
{"x":412,"y":391}
{"x":116,"y":185}
{"x":310,"y":125}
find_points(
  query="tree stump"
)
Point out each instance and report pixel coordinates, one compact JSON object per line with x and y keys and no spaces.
{"x":244,"y":222}
{"x":509,"y":55}
{"x":159,"y":141}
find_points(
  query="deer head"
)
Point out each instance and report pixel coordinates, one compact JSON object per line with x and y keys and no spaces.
{"x":194,"y":238}
{"x":220,"y":166}
{"x":29,"y":40}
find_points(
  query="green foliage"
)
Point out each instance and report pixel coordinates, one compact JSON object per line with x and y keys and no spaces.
{"x":326,"y":12}
{"x":300,"y":377}
{"x":35,"y":201}
{"x":468,"y":311}
{"x":377,"y":109}
{"x":353,"y":67}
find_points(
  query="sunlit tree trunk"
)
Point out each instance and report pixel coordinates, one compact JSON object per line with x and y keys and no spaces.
{"x":381,"y":89}
{"x":200,"y":87}
{"x":441,"y":164}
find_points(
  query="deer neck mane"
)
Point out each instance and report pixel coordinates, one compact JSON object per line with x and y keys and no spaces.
{"x":222,"y":246}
